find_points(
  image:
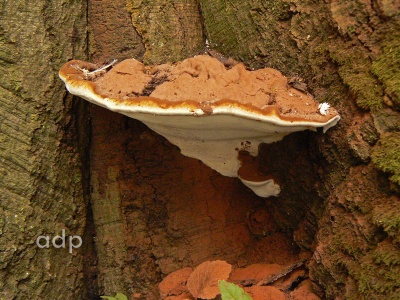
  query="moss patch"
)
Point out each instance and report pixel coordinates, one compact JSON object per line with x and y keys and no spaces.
{"x":387,"y":216}
{"x":387,"y":66}
{"x":355,"y":71}
{"x":279,"y":9}
{"x":378,"y":274}
{"x":386,"y":155}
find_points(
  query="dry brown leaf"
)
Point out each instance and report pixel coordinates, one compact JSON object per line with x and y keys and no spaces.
{"x":203,"y":282}
{"x":175,"y":283}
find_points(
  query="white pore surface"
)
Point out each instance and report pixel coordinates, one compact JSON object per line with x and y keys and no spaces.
{"x":265,"y":188}
{"x":214,"y":139}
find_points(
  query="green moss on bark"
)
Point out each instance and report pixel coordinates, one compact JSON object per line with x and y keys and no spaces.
{"x":377,"y":275}
{"x":387,"y":216}
{"x":386,"y":155}
{"x":231,"y":24}
{"x":387,"y":66}
{"x":355,"y":71}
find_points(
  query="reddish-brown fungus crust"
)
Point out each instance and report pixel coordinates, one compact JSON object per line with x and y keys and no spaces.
{"x":249,"y":169}
{"x":192,"y":82}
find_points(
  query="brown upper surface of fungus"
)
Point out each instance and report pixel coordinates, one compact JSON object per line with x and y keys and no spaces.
{"x":198,"y":81}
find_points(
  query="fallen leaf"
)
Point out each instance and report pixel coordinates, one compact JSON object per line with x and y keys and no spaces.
{"x":230,"y":291}
{"x":118,"y":296}
{"x":203,"y":282}
{"x":175,"y":283}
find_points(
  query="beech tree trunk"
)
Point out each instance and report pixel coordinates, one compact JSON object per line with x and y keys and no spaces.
{"x":42,"y":136}
{"x":143,"y":209}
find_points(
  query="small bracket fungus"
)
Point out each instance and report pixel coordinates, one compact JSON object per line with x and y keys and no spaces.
{"x":211,"y":113}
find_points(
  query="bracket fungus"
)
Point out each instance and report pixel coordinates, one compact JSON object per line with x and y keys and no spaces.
{"x":211,"y":113}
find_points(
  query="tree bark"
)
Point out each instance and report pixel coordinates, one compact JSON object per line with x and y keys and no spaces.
{"x":153,"y":210}
{"x":41,"y":172}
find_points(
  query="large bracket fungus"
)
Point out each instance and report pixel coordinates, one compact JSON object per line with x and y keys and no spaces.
{"x":211,"y":113}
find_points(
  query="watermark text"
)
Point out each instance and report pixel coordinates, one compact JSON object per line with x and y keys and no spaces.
{"x":59,"y":241}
